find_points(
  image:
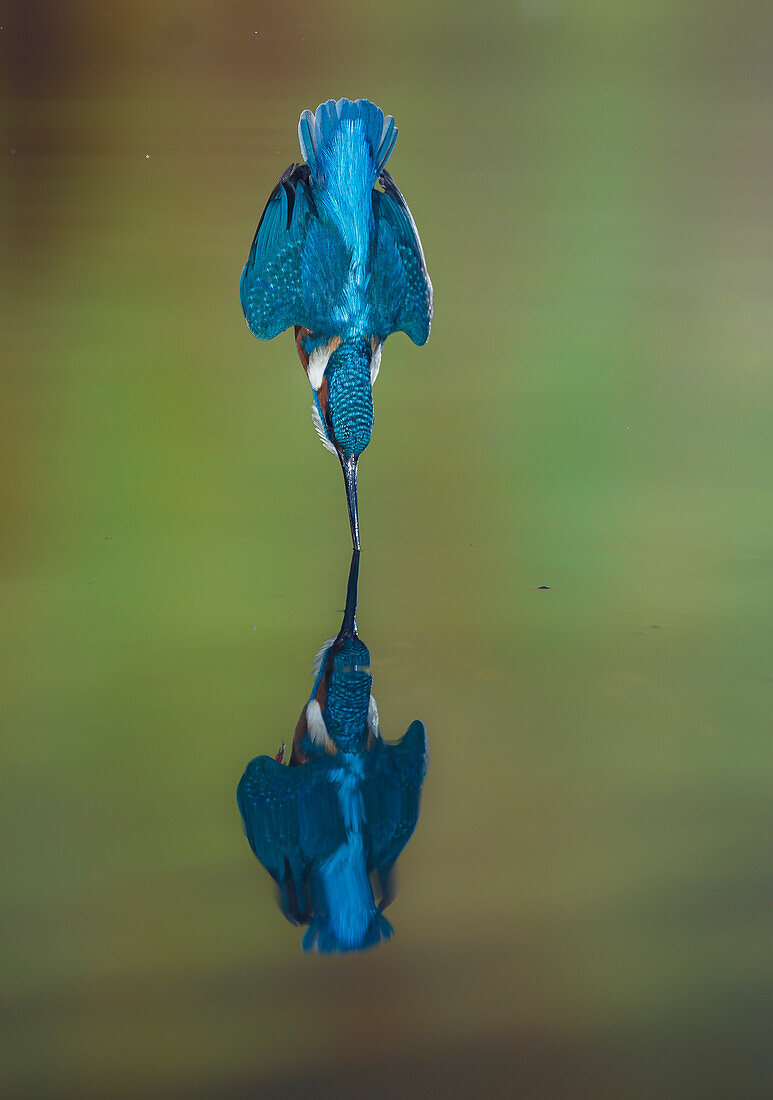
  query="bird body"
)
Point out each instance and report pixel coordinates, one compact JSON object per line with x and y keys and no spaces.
{"x":341,"y":262}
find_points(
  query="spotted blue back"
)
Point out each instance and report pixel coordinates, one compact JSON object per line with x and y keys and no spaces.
{"x":333,"y":253}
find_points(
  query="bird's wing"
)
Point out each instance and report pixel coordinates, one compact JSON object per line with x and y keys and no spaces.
{"x":271,"y":286}
{"x":291,"y":817}
{"x":268,"y":799}
{"x":391,"y":792}
{"x":400,"y":289}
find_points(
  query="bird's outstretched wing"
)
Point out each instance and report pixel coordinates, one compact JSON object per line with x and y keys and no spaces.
{"x":391,"y":792}
{"x":291,"y":817}
{"x":271,"y":287}
{"x":400,"y":289}
{"x":268,"y":800}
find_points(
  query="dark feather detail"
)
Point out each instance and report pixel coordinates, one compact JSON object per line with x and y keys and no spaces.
{"x":271,"y":288}
{"x":401,"y":291}
{"x":287,"y":182}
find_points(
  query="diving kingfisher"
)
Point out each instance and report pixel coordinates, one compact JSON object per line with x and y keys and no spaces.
{"x":341,"y":261}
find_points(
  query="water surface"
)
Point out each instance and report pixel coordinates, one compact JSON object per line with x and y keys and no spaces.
{"x":589,"y":901}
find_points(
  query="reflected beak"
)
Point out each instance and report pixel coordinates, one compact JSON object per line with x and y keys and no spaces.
{"x":349,"y":466}
{"x":349,"y":625}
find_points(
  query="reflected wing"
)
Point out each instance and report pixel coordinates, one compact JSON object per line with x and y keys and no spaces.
{"x":392,"y":791}
{"x":268,"y":799}
{"x":291,"y":816}
{"x":400,"y":290}
{"x":271,"y":284}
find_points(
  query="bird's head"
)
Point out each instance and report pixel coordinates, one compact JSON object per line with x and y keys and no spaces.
{"x":350,"y":397}
{"x":340,"y":373}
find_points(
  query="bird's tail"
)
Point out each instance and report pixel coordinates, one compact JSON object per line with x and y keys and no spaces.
{"x":329,"y":937}
{"x":316,"y":131}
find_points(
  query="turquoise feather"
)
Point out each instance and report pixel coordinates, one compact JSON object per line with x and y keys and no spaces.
{"x":330,"y":827}
{"x":339,"y":260}
{"x":332,"y":253}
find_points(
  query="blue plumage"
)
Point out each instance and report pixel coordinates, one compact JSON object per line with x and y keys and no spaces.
{"x":329,"y":827}
{"x":340,"y":260}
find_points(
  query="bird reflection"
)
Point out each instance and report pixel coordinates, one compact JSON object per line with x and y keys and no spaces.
{"x":329,"y":825}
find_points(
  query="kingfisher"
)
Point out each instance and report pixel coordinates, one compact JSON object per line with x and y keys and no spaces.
{"x":329,"y":825}
{"x":339,"y":259}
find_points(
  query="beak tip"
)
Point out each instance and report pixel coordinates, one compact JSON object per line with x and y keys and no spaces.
{"x":350,"y":481}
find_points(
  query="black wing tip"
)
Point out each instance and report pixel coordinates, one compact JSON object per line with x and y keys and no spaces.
{"x":292,"y":176}
{"x":390,"y":187}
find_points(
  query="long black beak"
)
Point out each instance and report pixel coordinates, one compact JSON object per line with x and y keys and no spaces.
{"x":349,"y":625}
{"x":349,"y":466}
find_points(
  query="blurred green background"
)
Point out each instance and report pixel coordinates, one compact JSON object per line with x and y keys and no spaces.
{"x":585,"y":907}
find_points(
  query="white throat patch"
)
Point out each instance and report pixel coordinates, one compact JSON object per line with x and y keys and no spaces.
{"x":318,"y":361}
{"x":375,"y":359}
{"x":315,"y":724}
{"x":321,"y":430}
{"x":373,"y":727}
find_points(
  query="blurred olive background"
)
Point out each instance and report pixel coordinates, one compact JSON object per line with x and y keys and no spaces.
{"x":585,"y":906}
